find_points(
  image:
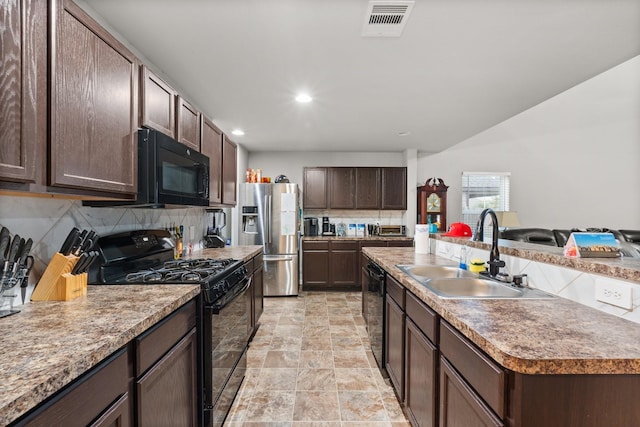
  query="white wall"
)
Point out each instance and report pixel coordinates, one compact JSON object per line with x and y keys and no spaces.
{"x":274,"y":163}
{"x":574,"y":159}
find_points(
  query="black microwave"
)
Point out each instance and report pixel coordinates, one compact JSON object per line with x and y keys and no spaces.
{"x":169,"y":174}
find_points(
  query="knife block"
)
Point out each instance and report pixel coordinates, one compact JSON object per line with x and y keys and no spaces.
{"x":57,"y":283}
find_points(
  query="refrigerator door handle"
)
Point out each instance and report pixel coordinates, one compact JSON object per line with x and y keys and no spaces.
{"x":268,"y":203}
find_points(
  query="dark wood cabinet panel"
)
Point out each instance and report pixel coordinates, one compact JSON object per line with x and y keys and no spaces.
{"x":355,"y":188}
{"x":344,"y":263}
{"x":23,"y":90}
{"x":167,"y":393}
{"x":211,"y":146}
{"x":118,"y":415}
{"x":394,"y":345}
{"x":258,"y":293}
{"x":157,"y":106}
{"x":421,"y":376}
{"x":90,"y":396}
{"x":367,"y":188}
{"x":459,"y":405}
{"x":485,"y":376}
{"x":315,"y":188}
{"x":315,"y":264}
{"x":187,"y":124}
{"x":342,"y":188}
{"x":229,"y":171}
{"x":93,"y":105}
{"x":394,"y":188}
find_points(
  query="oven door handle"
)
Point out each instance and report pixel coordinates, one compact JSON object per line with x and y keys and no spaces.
{"x":231,"y":296}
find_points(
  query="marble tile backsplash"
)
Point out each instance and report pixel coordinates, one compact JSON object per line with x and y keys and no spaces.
{"x":565,"y":282}
{"x":48,"y":221}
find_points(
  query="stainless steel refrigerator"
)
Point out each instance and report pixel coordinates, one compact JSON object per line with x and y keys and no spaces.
{"x":270,"y":216}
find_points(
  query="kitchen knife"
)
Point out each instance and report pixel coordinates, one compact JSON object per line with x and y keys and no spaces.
{"x":77,"y":269}
{"x":24,"y":251}
{"x":65,"y":249}
{"x":93,"y":255}
{"x":14,"y":248}
{"x":5,"y":239}
{"x":75,"y":247}
{"x":87,"y":242}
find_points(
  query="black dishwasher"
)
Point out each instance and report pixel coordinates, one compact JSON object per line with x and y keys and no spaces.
{"x":374,"y":293}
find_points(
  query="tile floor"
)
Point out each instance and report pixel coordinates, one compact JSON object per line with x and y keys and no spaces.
{"x":310,"y":365}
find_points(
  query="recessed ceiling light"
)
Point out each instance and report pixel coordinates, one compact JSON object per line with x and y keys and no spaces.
{"x":404,"y":133}
{"x":237,"y":132}
{"x":303,"y":98}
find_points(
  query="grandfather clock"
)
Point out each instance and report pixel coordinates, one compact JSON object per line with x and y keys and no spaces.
{"x":432,"y":203}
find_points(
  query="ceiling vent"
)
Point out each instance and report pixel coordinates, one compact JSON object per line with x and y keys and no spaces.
{"x":386,"y":18}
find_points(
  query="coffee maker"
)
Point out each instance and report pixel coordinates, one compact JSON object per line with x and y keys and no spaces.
{"x":328,"y":229}
{"x":216,"y":220}
{"x":310,"y":226}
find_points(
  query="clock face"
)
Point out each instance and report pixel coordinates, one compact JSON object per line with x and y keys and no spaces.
{"x":433,"y":203}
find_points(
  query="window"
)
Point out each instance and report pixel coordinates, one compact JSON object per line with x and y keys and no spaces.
{"x":482,"y":190}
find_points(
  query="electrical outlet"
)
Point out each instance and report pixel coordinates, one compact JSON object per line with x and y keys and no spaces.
{"x":614,"y":293}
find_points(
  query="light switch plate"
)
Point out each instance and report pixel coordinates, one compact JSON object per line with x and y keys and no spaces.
{"x":614,"y":293}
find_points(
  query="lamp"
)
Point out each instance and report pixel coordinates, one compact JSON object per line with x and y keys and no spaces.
{"x":507,"y":219}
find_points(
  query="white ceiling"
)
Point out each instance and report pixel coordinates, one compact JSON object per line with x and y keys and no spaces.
{"x":460,"y":66}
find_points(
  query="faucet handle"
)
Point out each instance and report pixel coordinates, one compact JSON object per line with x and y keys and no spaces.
{"x":520,"y":280}
{"x":497,"y":262}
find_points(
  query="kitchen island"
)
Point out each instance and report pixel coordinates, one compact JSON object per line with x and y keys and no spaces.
{"x":578,"y":364}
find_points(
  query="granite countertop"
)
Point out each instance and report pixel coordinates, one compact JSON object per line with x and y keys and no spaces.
{"x":244,"y":253}
{"x":382,"y":238}
{"x":50,"y":343}
{"x":555,"y":336}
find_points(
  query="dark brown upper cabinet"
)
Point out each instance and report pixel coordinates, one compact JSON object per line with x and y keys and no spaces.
{"x":93,"y":105}
{"x":355,"y":188}
{"x":211,"y":146}
{"x":315,"y":188}
{"x":342,"y":187}
{"x":229,"y":171}
{"x":187,"y":124}
{"x":394,"y":188}
{"x":23,"y":85}
{"x":158,"y":105}
{"x":367,"y":188}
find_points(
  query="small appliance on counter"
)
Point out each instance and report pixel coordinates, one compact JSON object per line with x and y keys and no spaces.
{"x":392,"y":230}
{"x":310,"y":226}
{"x":217,"y":220}
{"x":328,"y":229}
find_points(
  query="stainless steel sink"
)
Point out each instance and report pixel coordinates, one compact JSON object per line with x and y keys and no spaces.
{"x":454,"y":283}
{"x":422,"y":272}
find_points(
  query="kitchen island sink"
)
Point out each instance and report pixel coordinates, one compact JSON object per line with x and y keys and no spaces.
{"x":455,"y":283}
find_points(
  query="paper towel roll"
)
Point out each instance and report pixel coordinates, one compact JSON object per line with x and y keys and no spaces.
{"x":422,"y":240}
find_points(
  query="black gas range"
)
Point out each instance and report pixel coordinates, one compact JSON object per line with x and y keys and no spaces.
{"x":147,"y":257}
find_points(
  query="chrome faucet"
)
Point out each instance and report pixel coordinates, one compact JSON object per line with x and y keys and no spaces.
{"x":495,"y":263}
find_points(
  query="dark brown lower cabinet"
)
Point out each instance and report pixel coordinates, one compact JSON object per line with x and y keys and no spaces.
{"x":459,"y":404}
{"x":258,"y":291}
{"x":167,"y":392}
{"x":421,"y":377}
{"x":394,"y":345}
{"x":343,"y":264}
{"x":315,"y":264}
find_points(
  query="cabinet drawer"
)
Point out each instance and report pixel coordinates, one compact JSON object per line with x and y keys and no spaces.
{"x":154,"y":343}
{"x":249,"y":265}
{"x":485,"y":376}
{"x":348,"y":245}
{"x":425,"y":318}
{"x":395,"y":290}
{"x":315,"y":245}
